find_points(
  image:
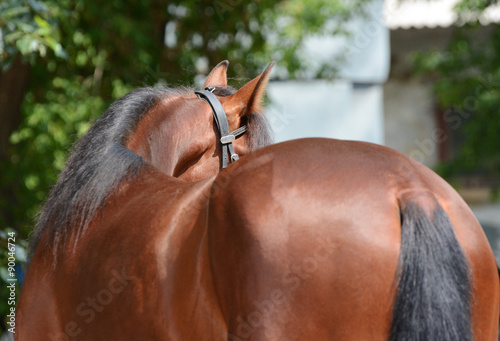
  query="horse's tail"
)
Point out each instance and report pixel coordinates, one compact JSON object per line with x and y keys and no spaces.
{"x":434,"y":286}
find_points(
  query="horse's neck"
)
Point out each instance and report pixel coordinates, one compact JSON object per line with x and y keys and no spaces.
{"x":150,"y":141}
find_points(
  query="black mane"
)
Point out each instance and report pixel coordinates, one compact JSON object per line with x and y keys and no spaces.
{"x":99,"y":162}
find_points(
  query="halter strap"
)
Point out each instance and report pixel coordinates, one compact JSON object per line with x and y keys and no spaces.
{"x":220,"y":117}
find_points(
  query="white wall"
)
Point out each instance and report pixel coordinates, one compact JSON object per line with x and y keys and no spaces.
{"x":410,"y":123}
{"x":333,"y":109}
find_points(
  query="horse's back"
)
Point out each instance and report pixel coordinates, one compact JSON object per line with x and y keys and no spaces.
{"x":306,"y":235}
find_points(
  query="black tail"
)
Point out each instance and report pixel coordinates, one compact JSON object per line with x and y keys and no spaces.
{"x":434,"y":295}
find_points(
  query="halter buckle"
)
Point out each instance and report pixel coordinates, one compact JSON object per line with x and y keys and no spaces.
{"x":227,"y":139}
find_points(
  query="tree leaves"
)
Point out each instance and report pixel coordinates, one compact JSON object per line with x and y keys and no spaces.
{"x":467,"y":83}
{"x":28,"y":28}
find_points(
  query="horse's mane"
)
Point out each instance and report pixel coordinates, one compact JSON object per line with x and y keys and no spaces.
{"x":99,"y":162}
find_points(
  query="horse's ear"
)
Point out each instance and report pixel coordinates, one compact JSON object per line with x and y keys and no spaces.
{"x":248,"y":99}
{"x":218,"y":76}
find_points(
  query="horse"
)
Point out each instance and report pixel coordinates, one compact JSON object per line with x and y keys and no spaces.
{"x":175,"y":218}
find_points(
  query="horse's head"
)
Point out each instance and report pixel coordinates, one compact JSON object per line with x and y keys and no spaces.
{"x":178,"y":135}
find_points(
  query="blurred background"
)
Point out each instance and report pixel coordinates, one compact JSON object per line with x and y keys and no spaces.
{"x":420,"y":76}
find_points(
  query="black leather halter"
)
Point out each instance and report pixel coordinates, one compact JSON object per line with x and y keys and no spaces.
{"x":227,"y":137}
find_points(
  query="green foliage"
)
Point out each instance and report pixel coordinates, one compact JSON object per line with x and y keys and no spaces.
{"x":27,"y":28}
{"x":471,"y":10}
{"x":249,"y":34}
{"x":466,"y":80}
{"x":40,"y":145}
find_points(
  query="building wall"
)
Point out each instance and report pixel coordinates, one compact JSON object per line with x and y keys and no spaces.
{"x":333,"y":109}
{"x":410,"y":121}
{"x":409,"y":107}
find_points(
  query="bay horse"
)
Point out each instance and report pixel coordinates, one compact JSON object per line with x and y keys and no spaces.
{"x":156,"y":231}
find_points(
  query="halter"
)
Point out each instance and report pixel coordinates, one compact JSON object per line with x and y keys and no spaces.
{"x":220,"y":117}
